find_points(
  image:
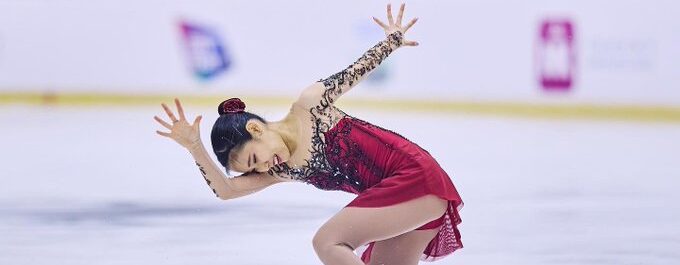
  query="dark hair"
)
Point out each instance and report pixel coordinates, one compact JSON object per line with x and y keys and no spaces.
{"x":229,"y":132}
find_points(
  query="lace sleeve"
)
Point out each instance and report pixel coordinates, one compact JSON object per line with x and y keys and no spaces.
{"x":284,"y":171}
{"x":340,"y":82}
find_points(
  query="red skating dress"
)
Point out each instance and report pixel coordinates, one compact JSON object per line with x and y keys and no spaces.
{"x":380,"y":166}
{"x":384,"y":168}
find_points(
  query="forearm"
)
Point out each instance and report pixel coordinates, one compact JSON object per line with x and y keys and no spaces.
{"x":212,"y":174}
{"x":229,"y":188}
{"x":340,"y":82}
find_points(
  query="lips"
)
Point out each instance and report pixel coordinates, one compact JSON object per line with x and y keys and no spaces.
{"x":277,"y":160}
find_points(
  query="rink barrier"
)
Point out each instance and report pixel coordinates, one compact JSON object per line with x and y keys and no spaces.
{"x":644,"y":113}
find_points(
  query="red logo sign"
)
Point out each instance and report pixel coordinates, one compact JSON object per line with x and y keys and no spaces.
{"x":555,"y":55}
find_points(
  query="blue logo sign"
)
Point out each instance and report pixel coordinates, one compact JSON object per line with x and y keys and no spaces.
{"x":206,"y":53}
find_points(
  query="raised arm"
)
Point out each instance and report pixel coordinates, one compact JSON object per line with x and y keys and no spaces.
{"x":341,"y":82}
{"x":188,"y":136}
{"x":329,"y":89}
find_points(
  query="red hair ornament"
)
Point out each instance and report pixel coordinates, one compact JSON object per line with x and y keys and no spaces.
{"x":232,"y":105}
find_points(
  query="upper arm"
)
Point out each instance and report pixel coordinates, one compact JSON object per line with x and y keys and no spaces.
{"x":327,"y":90}
{"x":310,"y":96}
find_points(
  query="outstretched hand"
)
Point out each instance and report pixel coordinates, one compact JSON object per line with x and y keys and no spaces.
{"x":396,"y":26}
{"x":187,"y":135}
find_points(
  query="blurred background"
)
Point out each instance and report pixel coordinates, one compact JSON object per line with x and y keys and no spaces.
{"x":558,"y":122}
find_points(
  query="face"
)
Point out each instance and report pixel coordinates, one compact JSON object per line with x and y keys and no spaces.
{"x":265,"y":150}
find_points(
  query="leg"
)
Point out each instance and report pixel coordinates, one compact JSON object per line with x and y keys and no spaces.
{"x":405,"y":249}
{"x":336,"y":240}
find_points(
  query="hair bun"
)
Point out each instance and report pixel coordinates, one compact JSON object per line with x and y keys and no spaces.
{"x":232,"y":105}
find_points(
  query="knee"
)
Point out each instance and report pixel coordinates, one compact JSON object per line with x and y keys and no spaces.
{"x":324,"y":239}
{"x":318,"y":241}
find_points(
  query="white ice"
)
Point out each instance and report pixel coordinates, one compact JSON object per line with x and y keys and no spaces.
{"x":85,"y":185}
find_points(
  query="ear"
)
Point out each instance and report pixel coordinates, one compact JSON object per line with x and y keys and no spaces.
{"x":255,"y":128}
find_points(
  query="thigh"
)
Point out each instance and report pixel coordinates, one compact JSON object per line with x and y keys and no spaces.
{"x":404,"y":249}
{"x":358,"y":226}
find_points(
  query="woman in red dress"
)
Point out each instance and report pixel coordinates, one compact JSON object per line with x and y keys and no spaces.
{"x":406,"y":207}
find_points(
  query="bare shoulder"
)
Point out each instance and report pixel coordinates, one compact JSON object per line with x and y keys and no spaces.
{"x":310,"y":96}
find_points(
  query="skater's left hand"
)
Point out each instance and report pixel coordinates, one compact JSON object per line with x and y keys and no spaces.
{"x":396,"y":26}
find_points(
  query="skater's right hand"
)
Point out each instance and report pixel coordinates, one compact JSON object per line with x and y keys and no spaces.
{"x":187,"y":135}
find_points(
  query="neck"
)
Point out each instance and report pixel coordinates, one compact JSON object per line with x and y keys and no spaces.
{"x":288,"y":131}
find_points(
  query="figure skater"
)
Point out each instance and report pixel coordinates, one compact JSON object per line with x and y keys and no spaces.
{"x":406,"y":207}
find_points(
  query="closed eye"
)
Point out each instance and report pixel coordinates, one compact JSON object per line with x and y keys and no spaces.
{"x":254,"y":164}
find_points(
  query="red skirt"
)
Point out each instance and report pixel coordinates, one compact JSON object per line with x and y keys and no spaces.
{"x":422,"y":178}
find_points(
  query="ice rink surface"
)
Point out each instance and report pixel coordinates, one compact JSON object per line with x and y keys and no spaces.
{"x":85,"y":185}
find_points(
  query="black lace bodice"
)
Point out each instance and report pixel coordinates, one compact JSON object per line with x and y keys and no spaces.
{"x":337,"y":161}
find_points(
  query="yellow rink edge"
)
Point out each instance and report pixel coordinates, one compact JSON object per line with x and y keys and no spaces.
{"x":645,"y":113}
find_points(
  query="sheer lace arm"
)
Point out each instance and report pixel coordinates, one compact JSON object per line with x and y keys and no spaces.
{"x":341,"y":82}
{"x":287,"y":173}
{"x":225,"y":187}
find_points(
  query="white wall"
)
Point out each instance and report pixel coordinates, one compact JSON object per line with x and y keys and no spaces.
{"x":627,"y":51}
